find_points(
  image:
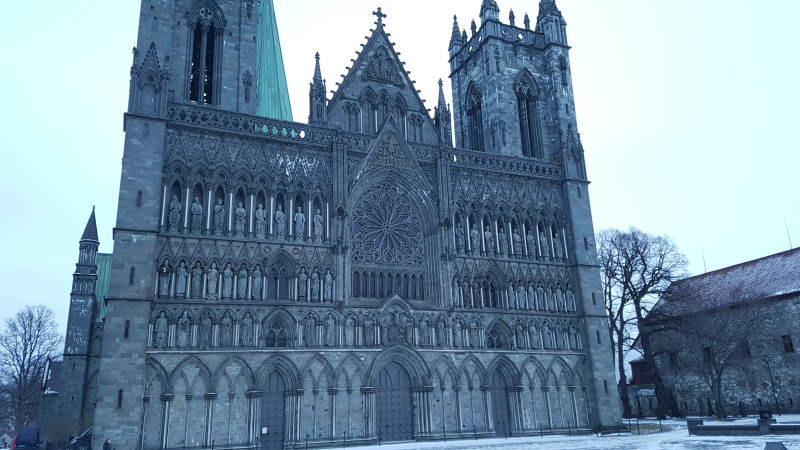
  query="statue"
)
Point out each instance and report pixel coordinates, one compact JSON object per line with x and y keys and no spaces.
{"x":241,"y":285}
{"x":280,"y":223}
{"x":309,"y":332}
{"x":182,"y":275}
{"x":460,"y":239}
{"x":213,"y":280}
{"x":349,"y":332}
{"x":551,"y":300}
{"x":261,"y":223}
{"x":558,"y":248}
{"x":206,"y":328}
{"x":559,"y":337}
{"x":330,"y":331}
{"x":467,"y":293}
{"x":457,"y":341}
{"x":541,"y":298}
{"x":424,"y":335}
{"x":517,"y":240}
{"x":174,"y":214}
{"x":408,"y":326}
{"x":227,"y":282}
{"x":512,"y":301}
{"x":573,"y":337}
{"x":247,"y":330}
{"x":197,"y":217}
{"x":441,"y":334}
{"x":160,"y":330}
{"x":318,"y":228}
{"x":456,"y":293}
{"x":571,"y":306}
{"x":184,"y":328}
{"x":560,"y":305}
{"x":299,"y":225}
{"x":315,"y":286}
{"x":545,"y":247}
{"x":520,"y":333}
{"x":226,"y":331}
{"x":476,"y":295}
{"x":474,"y":335}
{"x":531,"y":245}
{"x":488,"y":237}
{"x":197,"y":281}
{"x":257,"y":283}
{"x":547,"y":337}
{"x":165,"y":274}
{"x":240,"y":219}
{"x":532,"y":303}
{"x":503,"y":241}
{"x":327,"y":283}
{"x":475,"y":240}
{"x":301,"y":285}
{"x":534,"y":336}
{"x":219,"y":218}
{"x":369,"y":333}
{"x":522,"y":302}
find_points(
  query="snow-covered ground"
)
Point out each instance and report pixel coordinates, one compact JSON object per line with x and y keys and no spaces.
{"x":677,"y":438}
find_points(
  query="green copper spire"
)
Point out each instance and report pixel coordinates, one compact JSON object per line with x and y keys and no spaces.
{"x":273,"y":92}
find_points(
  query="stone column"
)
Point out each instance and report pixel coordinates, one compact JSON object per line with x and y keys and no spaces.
{"x":231,"y":193}
{"x":210,"y":399}
{"x":586,"y":406}
{"x":516,"y":410}
{"x":251,"y":213}
{"x":533,"y":407}
{"x":573,"y":405}
{"x":547,"y":409}
{"x":289,"y":232}
{"x":487,"y":407}
{"x":186,"y":207}
{"x":166,"y":401}
{"x":369,"y":411}
{"x":163,"y":208}
{"x":272,"y":208}
{"x":560,"y":405}
{"x":209,"y":207}
{"x":525,"y":250}
{"x":332,"y":396}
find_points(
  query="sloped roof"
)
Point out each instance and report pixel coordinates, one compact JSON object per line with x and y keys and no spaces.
{"x":761,"y":279}
{"x":90,"y":232}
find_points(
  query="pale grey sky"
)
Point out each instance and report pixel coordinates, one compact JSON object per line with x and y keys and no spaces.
{"x":688,"y":111}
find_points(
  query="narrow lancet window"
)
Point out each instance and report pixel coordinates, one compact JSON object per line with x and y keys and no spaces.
{"x":205,"y":41}
{"x":528,"y":110}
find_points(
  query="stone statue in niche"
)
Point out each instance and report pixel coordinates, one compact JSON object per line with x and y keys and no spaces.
{"x":174,"y":214}
{"x":441,"y":334}
{"x":475,"y":240}
{"x":197,"y":217}
{"x":349,"y":332}
{"x":560,"y":300}
{"x":315,"y":286}
{"x":456,"y":291}
{"x":474,"y":335}
{"x":467,"y":293}
{"x":573,"y":337}
{"x":226,"y":331}
{"x":571,"y":306}
{"x":227,"y":282}
{"x":522,"y":302}
{"x":338,"y":227}
{"x":408,"y":326}
{"x":545,"y":247}
{"x":541,"y":298}
{"x":460,"y":239}
{"x":299,"y":225}
{"x":181,"y":277}
{"x":476,"y":295}
{"x":531,"y":245}
{"x":247,"y":330}
{"x":240,"y":219}
{"x":219,"y":218}
{"x":457,"y":341}
{"x":547,"y":337}
{"x":424,"y":333}
{"x":369,"y":333}
{"x":280,"y":223}
{"x":301,"y":285}
{"x":165,"y":272}
{"x":512,"y":301}
{"x":327,"y":283}
{"x":197,"y":281}
{"x":534,"y":334}
{"x":520,"y":334}
{"x":318,"y":227}
{"x":184,"y":327}
{"x":330,"y":331}
{"x":257,"y":283}
{"x":503,"y":241}
{"x":488,"y":237}
{"x":515,"y":237}
{"x":206,"y":327}
{"x":160,"y":330}
{"x":552,"y":305}
{"x":558,"y":247}
{"x":213,"y":280}
{"x":559,"y":337}
{"x":241,"y":286}
{"x":261,"y":222}
{"x":309,"y":332}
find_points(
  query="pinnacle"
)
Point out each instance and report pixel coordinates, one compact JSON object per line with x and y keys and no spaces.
{"x":456,"y":35}
{"x":317,"y":71}
{"x":90,"y":233}
{"x":442,"y":101}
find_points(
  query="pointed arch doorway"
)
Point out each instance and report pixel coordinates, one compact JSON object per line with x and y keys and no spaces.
{"x":501,"y":413}
{"x":393,"y":404}
{"x":273,"y":409}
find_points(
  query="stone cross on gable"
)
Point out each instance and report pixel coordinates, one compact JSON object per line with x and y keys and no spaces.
{"x":380,"y":16}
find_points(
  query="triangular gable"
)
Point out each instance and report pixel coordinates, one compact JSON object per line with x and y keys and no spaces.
{"x":390,"y":150}
{"x":379,"y":67}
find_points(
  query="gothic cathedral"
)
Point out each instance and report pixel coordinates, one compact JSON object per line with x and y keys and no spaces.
{"x":354,"y":280}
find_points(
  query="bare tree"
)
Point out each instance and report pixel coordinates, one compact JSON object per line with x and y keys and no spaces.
{"x":28,"y":341}
{"x":637,"y":269}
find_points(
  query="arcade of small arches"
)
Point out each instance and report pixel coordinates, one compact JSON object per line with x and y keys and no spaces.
{"x":196,"y":405}
{"x":490,"y":291}
{"x":219,"y":329}
{"x":373,"y":108}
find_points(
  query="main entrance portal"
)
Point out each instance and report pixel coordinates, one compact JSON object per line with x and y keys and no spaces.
{"x":500,"y":410}
{"x":272,"y":413}
{"x":394,"y":408}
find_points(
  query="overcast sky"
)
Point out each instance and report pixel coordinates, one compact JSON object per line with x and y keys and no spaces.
{"x":688,"y":111}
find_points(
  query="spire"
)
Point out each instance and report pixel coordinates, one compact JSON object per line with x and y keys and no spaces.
{"x":90,"y":233}
{"x":317,"y":71}
{"x":273,"y":92}
{"x":442,"y":118}
{"x":442,"y":101}
{"x":455,"y":38}
{"x":318,"y":99}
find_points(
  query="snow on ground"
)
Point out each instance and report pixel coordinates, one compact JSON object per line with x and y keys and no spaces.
{"x":677,"y":438}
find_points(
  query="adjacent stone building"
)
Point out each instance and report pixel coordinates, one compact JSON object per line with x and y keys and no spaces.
{"x":356,"y":279}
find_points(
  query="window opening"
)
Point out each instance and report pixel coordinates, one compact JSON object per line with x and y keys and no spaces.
{"x":204,"y":46}
{"x":127,"y":328}
{"x":788,"y":345}
{"x":119,"y":399}
{"x":139,"y":199}
{"x":598,"y":338}
{"x":132,"y":276}
{"x":594,"y":298}
{"x":605,"y":385}
{"x":586,"y":243}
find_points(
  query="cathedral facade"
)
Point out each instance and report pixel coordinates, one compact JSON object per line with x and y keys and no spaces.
{"x":360,"y":278}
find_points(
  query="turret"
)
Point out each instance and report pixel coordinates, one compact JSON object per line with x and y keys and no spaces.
{"x":551,"y":23}
{"x":455,"y":39}
{"x":442,"y":118}
{"x":489,"y":11}
{"x":318,"y":100}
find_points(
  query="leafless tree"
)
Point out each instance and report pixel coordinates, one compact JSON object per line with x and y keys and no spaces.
{"x":30,"y":338}
{"x":637,"y":268}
